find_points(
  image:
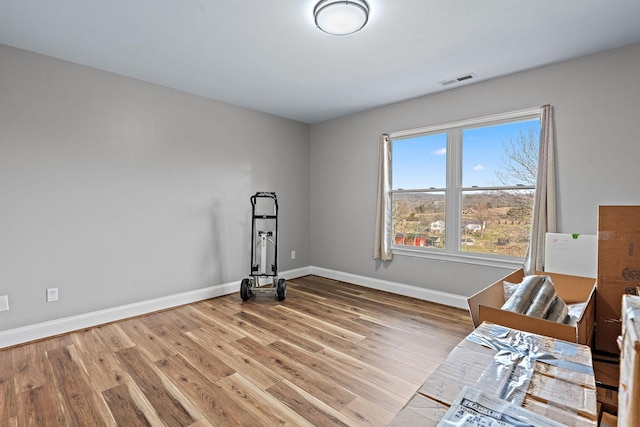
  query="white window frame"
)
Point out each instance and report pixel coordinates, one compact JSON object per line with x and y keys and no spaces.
{"x":454,"y":190}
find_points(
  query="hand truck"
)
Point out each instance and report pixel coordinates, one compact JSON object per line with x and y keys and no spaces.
{"x":264,"y":249}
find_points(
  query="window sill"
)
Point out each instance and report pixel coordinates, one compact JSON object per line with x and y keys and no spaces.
{"x":460,"y":257}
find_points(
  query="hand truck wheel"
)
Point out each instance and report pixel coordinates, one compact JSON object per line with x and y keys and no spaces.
{"x":245,"y":289}
{"x":281,"y":290}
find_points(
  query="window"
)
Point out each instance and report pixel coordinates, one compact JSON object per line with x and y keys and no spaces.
{"x":465,"y":189}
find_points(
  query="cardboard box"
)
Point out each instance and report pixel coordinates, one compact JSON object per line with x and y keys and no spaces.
{"x":608,"y":315}
{"x":485,"y":306}
{"x":607,"y":398}
{"x":564,"y":391}
{"x":419,"y":411}
{"x":608,"y":420}
{"x":607,"y":331}
{"x":618,"y":269}
{"x":629,"y":390}
{"x":607,"y":373}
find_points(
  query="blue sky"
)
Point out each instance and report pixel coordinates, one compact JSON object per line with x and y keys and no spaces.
{"x":420,"y":162}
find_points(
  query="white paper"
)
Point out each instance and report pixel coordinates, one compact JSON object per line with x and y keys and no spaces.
{"x":565,"y":254}
{"x":474,"y":408}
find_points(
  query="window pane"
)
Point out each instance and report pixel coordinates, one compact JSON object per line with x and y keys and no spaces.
{"x":418,"y":219}
{"x":501,"y":155}
{"x":420,"y":162}
{"x":496,"y":222}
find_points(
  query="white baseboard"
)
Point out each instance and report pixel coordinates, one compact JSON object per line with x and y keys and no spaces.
{"x":394,"y":287}
{"x":86,"y":320}
{"x":42,"y":330}
{"x":73,"y":323}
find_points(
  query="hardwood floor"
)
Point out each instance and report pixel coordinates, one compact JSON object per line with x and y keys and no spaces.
{"x":330,"y":354}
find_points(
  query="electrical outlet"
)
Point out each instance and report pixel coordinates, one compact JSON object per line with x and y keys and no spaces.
{"x":293,"y":254}
{"x":52,"y":294}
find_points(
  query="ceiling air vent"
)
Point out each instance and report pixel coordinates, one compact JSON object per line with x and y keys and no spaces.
{"x":460,"y":79}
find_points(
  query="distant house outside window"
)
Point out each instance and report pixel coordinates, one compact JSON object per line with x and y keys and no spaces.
{"x":466,"y":188}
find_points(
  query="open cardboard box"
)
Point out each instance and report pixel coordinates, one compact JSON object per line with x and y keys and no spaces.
{"x":485,"y":307}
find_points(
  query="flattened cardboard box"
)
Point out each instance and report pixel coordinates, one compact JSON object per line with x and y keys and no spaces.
{"x":486,"y":306}
{"x":618,"y":269}
{"x":568,"y":398}
{"x":629,"y":390}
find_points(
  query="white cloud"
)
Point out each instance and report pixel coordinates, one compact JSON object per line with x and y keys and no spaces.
{"x":478,"y":168}
{"x":441,"y":152}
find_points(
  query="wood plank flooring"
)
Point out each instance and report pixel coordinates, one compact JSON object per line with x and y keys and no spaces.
{"x":331,"y":353}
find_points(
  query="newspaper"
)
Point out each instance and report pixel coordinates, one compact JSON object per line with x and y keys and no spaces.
{"x":474,"y":408}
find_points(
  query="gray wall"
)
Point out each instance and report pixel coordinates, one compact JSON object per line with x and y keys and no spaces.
{"x":597,"y":112}
{"x":117,"y":191}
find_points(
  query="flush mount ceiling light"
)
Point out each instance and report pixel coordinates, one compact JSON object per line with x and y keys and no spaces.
{"x":341,"y":17}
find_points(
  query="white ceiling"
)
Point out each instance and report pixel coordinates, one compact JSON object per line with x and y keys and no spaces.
{"x":267,"y":54}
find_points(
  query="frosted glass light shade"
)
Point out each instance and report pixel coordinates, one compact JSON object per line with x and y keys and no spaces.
{"x":341,"y":17}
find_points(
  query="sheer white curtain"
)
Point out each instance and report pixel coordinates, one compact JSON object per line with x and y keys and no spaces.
{"x":544,"y":208}
{"x":381,"y":242}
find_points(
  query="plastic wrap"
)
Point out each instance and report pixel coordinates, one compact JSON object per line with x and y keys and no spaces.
{"x":575,"y":313}
{"x":509,"y":289}
{"x":536,"y":296}
{"x":562,"y":355}
{"x":507,"y":377}
{"x":527,"y":366}
{"x":549,"y":376}
{"x":542,"y":299}
{"x":522,"y":297}
{"x":558,"y":311}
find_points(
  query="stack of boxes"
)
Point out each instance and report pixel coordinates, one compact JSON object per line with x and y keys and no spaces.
{"x":618,"y":270}
{"x":565,"y":385}
{"x":618,"y":275}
